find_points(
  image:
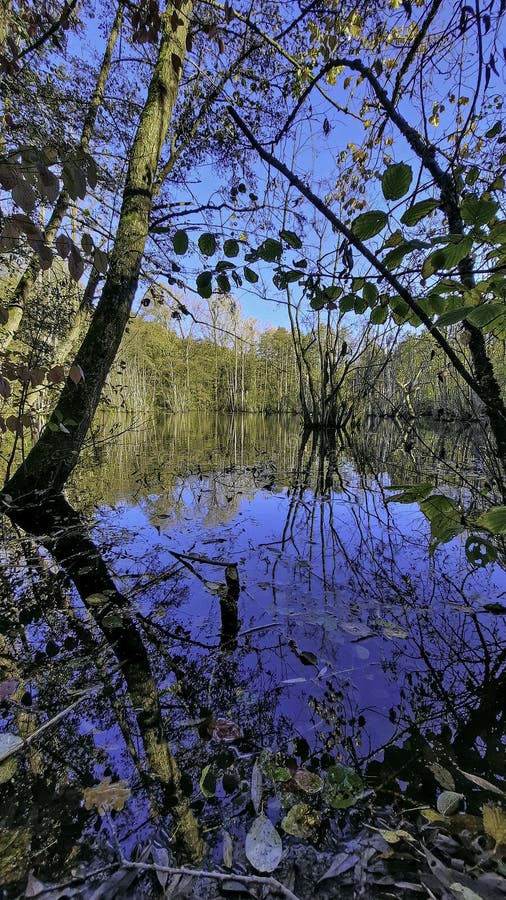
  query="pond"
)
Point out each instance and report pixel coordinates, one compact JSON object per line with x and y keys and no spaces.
{"x":265,"y":654}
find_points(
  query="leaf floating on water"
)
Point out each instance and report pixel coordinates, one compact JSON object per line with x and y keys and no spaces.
{"x":448,"y":802}
{"x":307,"y":781}
{"x":393,"y":837}
{"x":483,"y":783}
{"x":301,"y":820}
{"x":358,"y":629}
{"x":8,"y":769}
{"x":8,"y":688}
{"x":256,"y":786}
{"x":9,"y":743}
{"x":224,"y":730}
{"x":106,"y":796}
{"x":442,"y":776}
{"x":431,"y":815}
{"x":494,"y":822}
{"x":341,"y":864}
{"x":263,"y":845}
{"x":391,"y":630}
{"x":207,"y":782}
{"x":343,"y":787}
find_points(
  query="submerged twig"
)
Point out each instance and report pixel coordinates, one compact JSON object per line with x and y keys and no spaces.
{"x":268,"y":881}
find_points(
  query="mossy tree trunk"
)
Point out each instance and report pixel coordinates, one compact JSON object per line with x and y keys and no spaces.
{"x":50,"y":462}
{"x":25,"y":285}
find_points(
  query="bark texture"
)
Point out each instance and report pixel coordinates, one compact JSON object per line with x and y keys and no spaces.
{"x":25,"y":285}
{"x":50,"y":462}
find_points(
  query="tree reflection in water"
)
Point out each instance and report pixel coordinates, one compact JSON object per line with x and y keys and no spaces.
{"x":348,"y":641}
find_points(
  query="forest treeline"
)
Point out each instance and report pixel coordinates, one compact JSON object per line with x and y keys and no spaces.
{"x":157,"y":368}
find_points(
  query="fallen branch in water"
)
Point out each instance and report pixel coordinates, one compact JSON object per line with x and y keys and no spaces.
{"x":268,"y":881}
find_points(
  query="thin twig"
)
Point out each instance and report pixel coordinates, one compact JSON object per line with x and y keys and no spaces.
{"x":217,"y":876}
{"x":46,"y":725}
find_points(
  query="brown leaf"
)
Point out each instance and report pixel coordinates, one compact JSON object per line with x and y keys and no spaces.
{"x":56,"y":375}
{"x":37,"y":375}
{"x":106,"y":796}
{"x":14,"y":425}
{"x":75,"y":263}
{"x":176,"y":63}
{"x":307,"y":781}
{"x":49,"y":184}
{"x":63,"y":245}
{"x":9,"y":238}
{"x":224,"y":730}
{"x":24,"y":196}
{"x":494,"y":822}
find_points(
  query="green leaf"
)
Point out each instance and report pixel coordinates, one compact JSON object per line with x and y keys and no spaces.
{"x":497,"y":233}
{"x":301,"y":821}
{"x":479,"y":551}
{"x":347,"y":303}
{"x":394,"y":239}
{"x":418,"y":211}
{"x":370,"y":293}
{"x":318,"y":301}
{"x":395,"y":256}
{"x":204,"y":284}
{"x":453,"y":316}
{"x":287,"y":276}
{"x":180,"y":242}
{"x":270,"y":250}
{"x":443,"y":516}
{"x":223,"y":283}
{"x":489,"y":317}
{"x":207,"y":244}
{"x":343,"y":787}
{"x":496,"y":129}
{"x":400,"y":309}
{"x":413,"y":493}
{"x":368,"y":224}
{"x":447,"y":257}
{"x":472,"y":175}
{"x":231,"y":248}
{"x":360,"y":306}
{"x":493,"y":520}
{"x":396,"y":181}
{"x":477,"y":211}
{"x":379,"y":315}
{"x":250,"y":275}
{"x":290,"y":238}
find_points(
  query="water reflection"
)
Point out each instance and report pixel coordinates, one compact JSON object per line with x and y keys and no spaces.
{"x":268,"y":582}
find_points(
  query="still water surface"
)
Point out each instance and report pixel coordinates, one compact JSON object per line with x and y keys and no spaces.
{"x":350,"y":636}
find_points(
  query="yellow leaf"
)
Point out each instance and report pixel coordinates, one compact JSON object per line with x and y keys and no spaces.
{"x":392,"y":837}
{"x":494,"y":822}
{"x":432,"y":816}
{"x":106,"y":796}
